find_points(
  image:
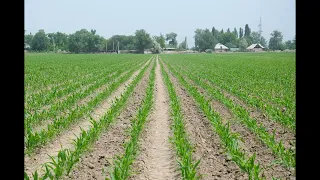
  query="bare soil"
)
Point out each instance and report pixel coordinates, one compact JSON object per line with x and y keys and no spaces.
{"x":156,"y":159}
{"x":214,"y":162}
{"x":96,"y":163}
{"x":65,"y":139}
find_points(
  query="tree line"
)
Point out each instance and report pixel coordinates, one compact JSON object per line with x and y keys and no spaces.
{"x":84,"y":41}
{"x":206,"y":39}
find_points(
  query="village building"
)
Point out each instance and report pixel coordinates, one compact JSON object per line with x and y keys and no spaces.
{"x":255,"y":48}
{"x":220,"y":48}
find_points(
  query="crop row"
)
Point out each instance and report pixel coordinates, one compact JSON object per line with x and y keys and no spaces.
{"x":183,"y":148}
{"x":66,"y":158}
{"x":287,"y":156}
{"x":43,"y":71}
{"x":256,"y":85}
{"x":228,"y":138}
{"x":68,"y":103}
{"x":122,"y":164}
{"x":35,"y":139}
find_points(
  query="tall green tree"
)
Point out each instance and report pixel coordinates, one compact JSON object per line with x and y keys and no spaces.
{"x":263,"y":42}
{"x":240,"y":33}
{"x":78,"y":41}
{"x":213,"y":31}
{"x":247,"y":30}
{"x":183,"y":45}
{"x":161,"y":40}
{"x":172,"y":38}
{"x":235,"y":32}
{"x":228,"y":30}
{"x":243,"y":44}
{"x":229,"y":38}
{"x":143,"y":40}
{"x":256,"y":38}
{"x":204,"y":40}
{"x":40,"y":41}
{"x":275,"y":42}
{"x":28,"y":38}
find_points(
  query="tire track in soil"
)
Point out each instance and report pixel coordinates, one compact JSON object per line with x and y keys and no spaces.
{"x":214,"y":162}
{"x":156,"y":159}
{"x":110,"y":143}
{"x":66,"y":138}
{"x":250,"y":144}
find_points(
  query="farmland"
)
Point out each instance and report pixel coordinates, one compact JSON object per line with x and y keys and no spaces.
{"x":166,"y":116}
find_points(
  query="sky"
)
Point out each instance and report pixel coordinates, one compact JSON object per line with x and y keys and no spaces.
{"x":124,"y":17}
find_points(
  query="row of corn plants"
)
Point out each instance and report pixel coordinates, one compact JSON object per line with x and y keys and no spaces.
{"x":278,"y":107}
{"x":287,"y":156}
{"x":35,"y":101}
{"x":35,"y":139}
{"x":42,"y":70}
{"x":82,"y":76}
{"x":122,"y":163}
{"x":228,"y":138}
{"x":67,"y":158}
{"x":68,"y":103}
{"x":184,"y":149}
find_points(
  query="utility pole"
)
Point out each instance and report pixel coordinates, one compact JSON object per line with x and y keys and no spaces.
{"x":185,"y":40}
{"x":260,"y":28}
{"x":118,"y":48}
{"x":54,"y":46}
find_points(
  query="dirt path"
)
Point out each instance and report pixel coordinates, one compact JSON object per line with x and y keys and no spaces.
{"x":156,"y":159}
{"x":214,"y":163}
{"x":65,"y":140}
{"x":110,"y":143}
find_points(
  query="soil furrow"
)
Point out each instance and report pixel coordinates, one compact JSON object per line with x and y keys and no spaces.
{"x":95,"y":164}
{"x":250,"y":144}
{"x":66,"y":138}
{"x":155,"y":160}
{"x":214,"y":162}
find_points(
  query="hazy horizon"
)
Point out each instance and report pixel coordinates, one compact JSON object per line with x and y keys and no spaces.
{"x":110,"y":18}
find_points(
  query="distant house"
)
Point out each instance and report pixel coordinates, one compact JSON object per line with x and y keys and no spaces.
{"x":26,"y":46}
{"x":255,"y":48}
{"x":220,"y":48}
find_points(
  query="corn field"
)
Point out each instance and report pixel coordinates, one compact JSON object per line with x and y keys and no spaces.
{"x":166,"y":116}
